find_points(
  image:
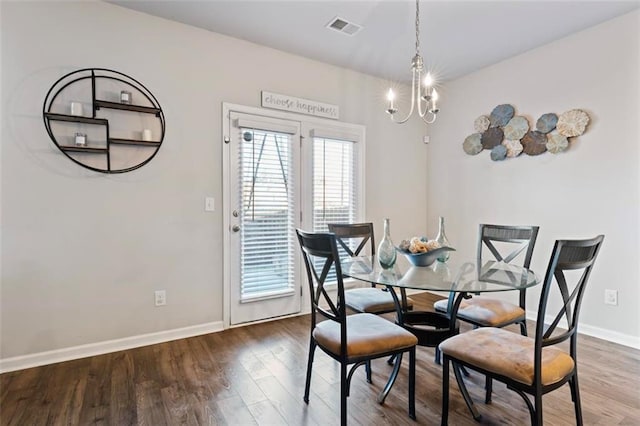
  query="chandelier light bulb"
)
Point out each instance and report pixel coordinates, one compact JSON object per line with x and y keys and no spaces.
{"x":428,"y":80}
{"x":390,"y":97}
{"x":434,"y":98}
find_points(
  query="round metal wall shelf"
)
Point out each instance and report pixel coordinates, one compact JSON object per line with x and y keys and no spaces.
{"x":104,"y":120}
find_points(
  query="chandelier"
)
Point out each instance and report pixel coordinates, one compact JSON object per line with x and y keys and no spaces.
{"x":422,"y":91}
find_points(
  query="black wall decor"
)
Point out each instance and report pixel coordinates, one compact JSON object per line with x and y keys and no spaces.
{"x":104,"y":120}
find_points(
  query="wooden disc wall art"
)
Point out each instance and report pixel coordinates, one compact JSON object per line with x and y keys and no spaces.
{"x":508,"y":135}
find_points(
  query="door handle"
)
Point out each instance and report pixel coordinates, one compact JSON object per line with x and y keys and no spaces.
{"x":235,"y":228}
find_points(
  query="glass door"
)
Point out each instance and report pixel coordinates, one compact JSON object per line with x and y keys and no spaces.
{"x":264,"y":169}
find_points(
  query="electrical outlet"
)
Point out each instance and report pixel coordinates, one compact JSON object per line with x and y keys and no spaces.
{"x":161,"y":297}
{"x":611,"y":297}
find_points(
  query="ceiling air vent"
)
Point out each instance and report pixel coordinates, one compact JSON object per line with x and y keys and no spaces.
{"x":343,"y":26}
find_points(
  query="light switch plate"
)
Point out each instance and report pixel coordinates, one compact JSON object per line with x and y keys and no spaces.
{"x":209,"y":204}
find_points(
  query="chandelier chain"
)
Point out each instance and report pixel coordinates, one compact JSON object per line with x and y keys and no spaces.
{"x":417,"y":27}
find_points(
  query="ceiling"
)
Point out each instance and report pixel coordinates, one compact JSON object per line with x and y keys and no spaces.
{"x":456,"y":37}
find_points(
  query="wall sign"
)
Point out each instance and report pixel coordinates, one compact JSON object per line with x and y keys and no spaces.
{"x":299,"y":105}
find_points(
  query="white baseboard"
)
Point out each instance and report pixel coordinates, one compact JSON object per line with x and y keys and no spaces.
{"x":611,"y":336}
{"x":100,"y":348}
{"x":600,"y":333}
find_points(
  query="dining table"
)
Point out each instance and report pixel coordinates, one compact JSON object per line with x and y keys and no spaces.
{"x":458,"y":278}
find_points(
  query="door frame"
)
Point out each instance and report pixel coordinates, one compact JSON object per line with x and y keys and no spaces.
{"x":227,"y":108}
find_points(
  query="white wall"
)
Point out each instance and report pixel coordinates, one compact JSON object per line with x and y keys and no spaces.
{"x":592,"y":188}
{"x":83,"y":252}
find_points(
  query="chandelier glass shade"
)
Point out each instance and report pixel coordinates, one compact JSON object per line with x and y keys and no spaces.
{"x":422,"y":92}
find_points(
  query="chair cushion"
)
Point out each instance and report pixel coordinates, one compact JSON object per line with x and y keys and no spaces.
{"x":486,"y":312}
{"x":441,"y":305}
{"x":367,"y":334}
{"x":372,"y":300}
{"x":509,"y":354}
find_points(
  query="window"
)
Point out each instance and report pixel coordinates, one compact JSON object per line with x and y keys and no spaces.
{"x":335,"y":188}
{"x":335,"y":184}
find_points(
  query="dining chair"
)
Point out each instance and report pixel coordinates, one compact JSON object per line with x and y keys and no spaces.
{"x":505,"y":243}
{"x":373,"y":300}
{"x":352,"y":340}
{"x":533,"y":366}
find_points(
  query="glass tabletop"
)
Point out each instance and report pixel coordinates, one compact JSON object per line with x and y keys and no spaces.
{"x":459,"y":276}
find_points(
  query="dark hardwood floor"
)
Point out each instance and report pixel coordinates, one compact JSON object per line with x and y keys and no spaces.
{"x":255,"y":375}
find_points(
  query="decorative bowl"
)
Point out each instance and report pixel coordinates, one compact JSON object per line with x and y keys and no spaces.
{"x":426,"y":258}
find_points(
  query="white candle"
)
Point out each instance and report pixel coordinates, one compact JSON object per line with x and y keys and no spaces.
{"x":390,"y":97}
{"x":81,"y":139}
{"x":76,"y":108}
{"x":428,"y":81}
{"x":146,"y":135}
{"x":125,"y":97}
{"x":434,"y":97}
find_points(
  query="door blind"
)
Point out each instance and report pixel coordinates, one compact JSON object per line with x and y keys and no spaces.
{"x":267,"y":216}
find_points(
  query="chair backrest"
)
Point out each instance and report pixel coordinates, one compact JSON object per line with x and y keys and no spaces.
{"x":348,"y":232}
{"x":321,"y":246}
{"x":358,"y":234}
{"x":568,"y":255}
{"x":506,"y":243}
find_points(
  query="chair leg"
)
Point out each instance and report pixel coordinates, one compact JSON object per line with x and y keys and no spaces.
{"x":445,"y":392}
{"x":575,"y":395}
{"x":438,"y":356}
{"x":523,"y":327}
{"x":367,"y":368}
{"x":412,"y":383}
{"x":538,"y":404}
{"x":312,"y":349}
{"x":488,"y":386}
{"x":343,"y":394}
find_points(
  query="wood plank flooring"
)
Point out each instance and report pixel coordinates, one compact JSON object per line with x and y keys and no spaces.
{"x":255,"y":375}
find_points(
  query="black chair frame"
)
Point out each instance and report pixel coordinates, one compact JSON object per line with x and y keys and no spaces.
{"x":526,"y":237}
{"x":323,"y":245}
{"x":566,"y":255}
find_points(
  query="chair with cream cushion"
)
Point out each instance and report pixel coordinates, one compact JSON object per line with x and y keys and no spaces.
{"x":349,"y":339}
{"x":373,"y":300}
{"x":533,"y":366}
{"x":505,"y":243}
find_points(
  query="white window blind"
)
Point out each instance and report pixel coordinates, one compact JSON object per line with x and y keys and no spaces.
{"x":267,"y":219}
{"x":334,"y":185}
{"x":334,"y":182}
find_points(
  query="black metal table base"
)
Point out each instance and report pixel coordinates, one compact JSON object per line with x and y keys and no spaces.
{"x":431,"y":328}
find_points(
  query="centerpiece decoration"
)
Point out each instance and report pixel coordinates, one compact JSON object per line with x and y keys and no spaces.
{"x":420,"y":251}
